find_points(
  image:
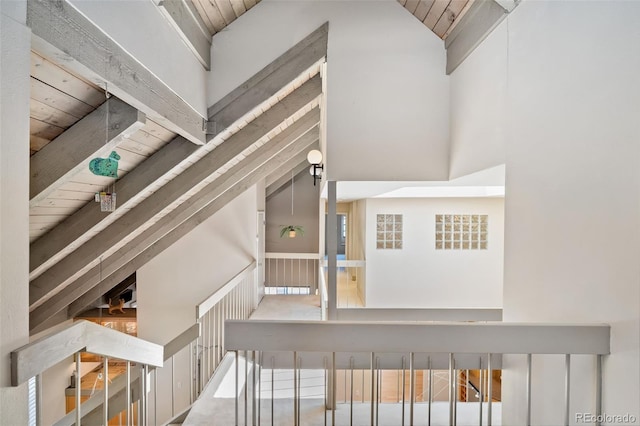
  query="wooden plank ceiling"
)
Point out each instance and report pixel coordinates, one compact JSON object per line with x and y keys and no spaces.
{"x":177,"y":183}
{"x":59,"y":99}
{"x":440,"y":16}
{"x":217,"y":14}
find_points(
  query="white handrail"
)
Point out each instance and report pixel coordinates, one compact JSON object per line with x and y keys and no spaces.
{"x":204,"y":306}
{"x":38,"y":356}
{"x":425,"y":337}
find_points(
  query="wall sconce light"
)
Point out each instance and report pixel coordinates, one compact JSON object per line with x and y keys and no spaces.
{"x":315,"y":158}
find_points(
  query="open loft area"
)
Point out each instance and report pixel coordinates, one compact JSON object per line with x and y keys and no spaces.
{"x":319,"y":212}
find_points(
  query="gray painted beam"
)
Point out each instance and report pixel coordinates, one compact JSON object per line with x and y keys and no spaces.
{"x":149,"y":244}
{"x":69,"y":154}
{"x":270,"y":79}
{"x":54,"y":245}
{"x":144,"y":248}
{"x":475,"y":26}
{"x":46,"y":249}
{"x":74,"y":265}
{"x":65,"y":36}
{"x":303,"y":132}
{"x":190,"y":27}
{"x":342,"y":336}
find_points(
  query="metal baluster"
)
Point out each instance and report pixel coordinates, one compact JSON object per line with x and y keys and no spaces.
{"x":128,"y":391}
{"x":253,"y":389}
{"x":404,"y":379}
{"x":236,"y":393}
{"x":412,"y":389}
{"x":430,"y":390}
{"x":351,"y":400}
{"x":273,"y":362}
{"x":489,"y":389}
{"x":324,"y":362}
{"x":567,"y":388}
{"x":299,"y":385}
{"x":145,"y":397}
{"x":105,"y":402}
{"x":295,"y":390}
{"x":598,"y":388}
{"x":481,"y":392}
{"x":260,"y":361}
{"x":372,"y":387}
{"x":78,"y":374}
{"x":246,"y":385}
{"x":333,"y":389}
{"x":451,"y":389}
{"x":155,"y":395}
{"x":528,"y":389}
{"x":455,"y":394}
{"x":378,"y":386}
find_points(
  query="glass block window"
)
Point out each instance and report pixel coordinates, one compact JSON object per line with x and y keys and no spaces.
{"x":462,"y":231}
{"x":389,"y":231}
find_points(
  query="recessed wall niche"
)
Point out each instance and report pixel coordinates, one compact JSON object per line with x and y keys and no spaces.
{"x":462,"y":231}
{"x":389,"y":231}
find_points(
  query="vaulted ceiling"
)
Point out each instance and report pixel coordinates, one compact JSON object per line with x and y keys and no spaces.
{"x":174,"y":169}
{"x":166,"y":183}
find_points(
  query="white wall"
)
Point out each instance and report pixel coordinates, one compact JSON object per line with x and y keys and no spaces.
{"x":54,"y":382}
{"x":573,"y":194}
{"x":15,"y":39}
{"x":305,"y":213}
{"x":478,"y":107}
{"x":386,"y":84}
{"x":141,"y":29}
{"x":186,"y":273}
{"x":418,"y":275}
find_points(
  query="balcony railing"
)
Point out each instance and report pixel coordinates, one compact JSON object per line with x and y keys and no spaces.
{"x":351,"y":358}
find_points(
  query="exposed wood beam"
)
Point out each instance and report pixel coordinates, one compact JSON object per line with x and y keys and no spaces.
{"x":172,"y":227}
{"x":281,"y":176}
{"x":46,"y":249}
{"x":481,"y":18}
{"x":69,"y":154}
{"x":270,"y":79}
{"x":54,"y":245}
{"x":62,"y":34}
{"x":189,"y":25}
{"x":80,"y":260}
{"x":135,"y":254}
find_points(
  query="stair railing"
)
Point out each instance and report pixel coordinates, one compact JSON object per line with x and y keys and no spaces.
{"x":237,"y":299}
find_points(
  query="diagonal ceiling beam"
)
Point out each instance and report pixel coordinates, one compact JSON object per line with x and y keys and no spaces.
{"x":46,"y":250}
{"x":283,"y":175}
{"x":58,"y":242}
{"x":69,"y":154}
{"x":183,"y":17}
{"x":82,"y":259}
{"x":264,"y":159}
{"x":479,"y":21}
{"x":268,"y":81}
{"x":135,"y":259}
{"x":64,"y":35}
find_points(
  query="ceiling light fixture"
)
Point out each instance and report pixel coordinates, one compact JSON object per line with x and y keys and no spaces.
{"x":314,"y":157}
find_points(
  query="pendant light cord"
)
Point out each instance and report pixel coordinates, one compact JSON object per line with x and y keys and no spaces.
{"x":291,"y":192}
